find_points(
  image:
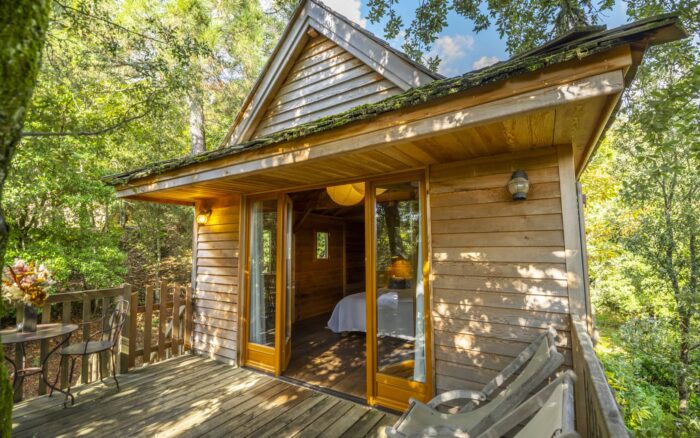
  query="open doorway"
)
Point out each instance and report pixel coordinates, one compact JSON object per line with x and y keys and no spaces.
{"x":328,"y":334}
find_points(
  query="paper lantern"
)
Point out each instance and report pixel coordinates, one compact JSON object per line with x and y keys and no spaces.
{"x":346,"y":195}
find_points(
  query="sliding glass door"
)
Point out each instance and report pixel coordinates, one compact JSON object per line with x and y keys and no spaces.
{"x":397,"y":300}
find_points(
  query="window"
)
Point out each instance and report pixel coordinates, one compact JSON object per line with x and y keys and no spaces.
{"x":322,"y":251}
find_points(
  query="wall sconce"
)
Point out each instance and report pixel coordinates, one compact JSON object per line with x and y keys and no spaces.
{"x":203,"y":216}
{"x":519,"y":185}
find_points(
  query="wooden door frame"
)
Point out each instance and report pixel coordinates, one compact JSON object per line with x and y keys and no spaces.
{"x":375,"y":380}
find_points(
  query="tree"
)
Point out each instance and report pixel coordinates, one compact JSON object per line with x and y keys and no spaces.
{"x":524,"y":24}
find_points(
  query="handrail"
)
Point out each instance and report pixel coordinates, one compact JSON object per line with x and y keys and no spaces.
{"x":597,"y":412}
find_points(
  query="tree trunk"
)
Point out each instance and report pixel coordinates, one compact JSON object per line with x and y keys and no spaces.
{"x":23,"y":25}
{"x":197,"y":138}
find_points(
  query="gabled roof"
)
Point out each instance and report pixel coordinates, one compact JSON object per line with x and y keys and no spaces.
{"x":311,"y":17}
{"x":646,"y":32}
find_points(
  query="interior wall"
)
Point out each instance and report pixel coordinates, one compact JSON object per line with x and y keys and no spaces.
{"x":318,"y":283}
{"x":216,"y":278}
{"x":499,"y":273}
{"x":354,"y":257}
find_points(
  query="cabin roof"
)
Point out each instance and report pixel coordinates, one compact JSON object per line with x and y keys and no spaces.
{"x":577,"y":44}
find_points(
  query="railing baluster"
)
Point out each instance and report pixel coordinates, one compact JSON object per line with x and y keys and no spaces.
{"x":148,"y":325}
{"x":19,"y":356}
{"x":84,"y":364}
{"x":188,"y":318}
{"x":162,"y":316}
{"x":104,"y":366}
{"x":44,"y":346}
{"x":67,"y":310}
{"x":127,"y":333}
{"x":133,"y":320}
{"x":175,"y":332}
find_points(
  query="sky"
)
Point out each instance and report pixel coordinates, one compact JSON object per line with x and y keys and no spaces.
{"x":460,"y":49}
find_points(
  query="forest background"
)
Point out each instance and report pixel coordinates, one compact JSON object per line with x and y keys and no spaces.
{"x":123,"y":83}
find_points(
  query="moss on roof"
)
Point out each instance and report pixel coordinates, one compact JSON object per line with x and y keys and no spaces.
{"x":585,"y":42}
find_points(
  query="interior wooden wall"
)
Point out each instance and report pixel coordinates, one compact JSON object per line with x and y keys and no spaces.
{"x":216,"y":292}
{"x":499,"y":269}
{"x":355,"y":257}
{"x":319,"y":283}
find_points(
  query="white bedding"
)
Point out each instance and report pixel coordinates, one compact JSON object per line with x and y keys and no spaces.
{"x":394,"y":314}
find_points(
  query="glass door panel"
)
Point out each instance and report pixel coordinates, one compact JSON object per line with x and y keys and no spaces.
{"x":262,"y":283}
{"x":399,"y":295}
{"x":288,"y":279}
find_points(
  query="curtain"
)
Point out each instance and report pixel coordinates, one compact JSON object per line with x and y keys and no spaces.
{"x":257,"y":287}
{"x":419,"y":348}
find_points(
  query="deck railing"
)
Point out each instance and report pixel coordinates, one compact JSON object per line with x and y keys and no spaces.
{"x":151,"y":319}
{"x":597,"y":412}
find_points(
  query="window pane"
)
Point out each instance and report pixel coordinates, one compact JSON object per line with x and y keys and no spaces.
{"x":322,"y":238}
{"x":263,"y":272}
{"x":400,"y":300}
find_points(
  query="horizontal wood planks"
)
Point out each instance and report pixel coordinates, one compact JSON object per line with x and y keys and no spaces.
{"x":499,"y":268}
{"x":325,"y":80}
{"x":216,"y":295}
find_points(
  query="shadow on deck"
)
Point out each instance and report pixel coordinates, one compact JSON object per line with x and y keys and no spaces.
{"x":190,"y":396}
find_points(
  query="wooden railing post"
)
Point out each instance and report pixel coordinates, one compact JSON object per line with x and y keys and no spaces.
{"x":162,"y":317}
{"x":66,"y":318}
{"x":133,"y":317}
{"x":175,"y":332}
{"x":44,"y":346}
{"x":84,"y":361}
{"x":188,"y":319}
{"x":19,"y":356}
{"x":125,"y":346}
{"x":148,"y":325}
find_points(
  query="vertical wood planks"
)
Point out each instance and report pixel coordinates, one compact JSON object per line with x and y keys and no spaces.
{"x":148,"y":325}
{"x":127,"y":333}
{"x":162,"y":317}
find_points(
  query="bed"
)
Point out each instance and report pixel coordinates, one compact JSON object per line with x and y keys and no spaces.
{"x":395,"y":314}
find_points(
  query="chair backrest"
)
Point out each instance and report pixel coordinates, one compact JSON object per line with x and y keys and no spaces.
{"x":553,"y":409}
{"x":113,"y":324}
{"x":536,"y":363}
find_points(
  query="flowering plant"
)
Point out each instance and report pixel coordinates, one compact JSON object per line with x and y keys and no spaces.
{"x":26,"y":283}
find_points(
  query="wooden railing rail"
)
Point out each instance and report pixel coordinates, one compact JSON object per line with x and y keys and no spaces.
{"x":173,"y":318}
{"x":597,"y":412}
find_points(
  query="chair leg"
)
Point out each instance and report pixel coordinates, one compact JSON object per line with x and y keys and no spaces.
{"x":70,"y":380}
{"x":58,"y":373}
{"x":114,"y":369}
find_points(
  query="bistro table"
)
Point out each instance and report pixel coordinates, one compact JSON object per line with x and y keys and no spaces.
{"x":43,"y":331}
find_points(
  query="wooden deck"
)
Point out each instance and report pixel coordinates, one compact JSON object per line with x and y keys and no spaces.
{"x":190,"y":396}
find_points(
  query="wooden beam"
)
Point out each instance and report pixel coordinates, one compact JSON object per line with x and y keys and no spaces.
{"x":598,"y":85}
{"x":572,"y":237}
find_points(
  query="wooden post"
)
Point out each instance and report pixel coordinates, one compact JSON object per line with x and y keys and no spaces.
{"x":67,"y":309}
{"x":133,"y":317}
{"x":126,"y":332}
{"x":175,"y":332}
{"x":188,"y":318}
{"x":162,"y":316}
{"x":44,"y":346}
{"x":104,"y":363}
{"x":84,"y":361}
{"x":148,"y":325}
{"x":19,"y":357}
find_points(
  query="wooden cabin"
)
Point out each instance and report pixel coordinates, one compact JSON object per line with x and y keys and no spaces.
{"x":355,"y":230}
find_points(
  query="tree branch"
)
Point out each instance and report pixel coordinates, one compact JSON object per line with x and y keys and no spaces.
{"x":86,"y":133}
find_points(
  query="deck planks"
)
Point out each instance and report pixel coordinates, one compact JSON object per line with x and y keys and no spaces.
{"x":191,"y":396}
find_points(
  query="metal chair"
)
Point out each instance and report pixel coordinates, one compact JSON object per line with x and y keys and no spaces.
{"x":108,"y":335}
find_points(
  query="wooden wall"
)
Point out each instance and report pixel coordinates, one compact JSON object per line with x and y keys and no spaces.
{"x":216,"y":277}
{"x":325,"y":80}
{"x":499,"y":269}
{"x":319,"y":283}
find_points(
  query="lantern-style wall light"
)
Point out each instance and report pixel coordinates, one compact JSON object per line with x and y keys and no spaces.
{"x":519,"y":185}
{"x":203,"y":216}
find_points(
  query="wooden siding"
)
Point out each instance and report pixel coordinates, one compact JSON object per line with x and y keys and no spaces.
{"x":319,"y":283}
{"x":324,"y":80}
{"x":499,"y":271}
{"x":216,"y":293}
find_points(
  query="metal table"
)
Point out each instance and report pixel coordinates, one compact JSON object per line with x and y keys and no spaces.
{"x":43,"y":331}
